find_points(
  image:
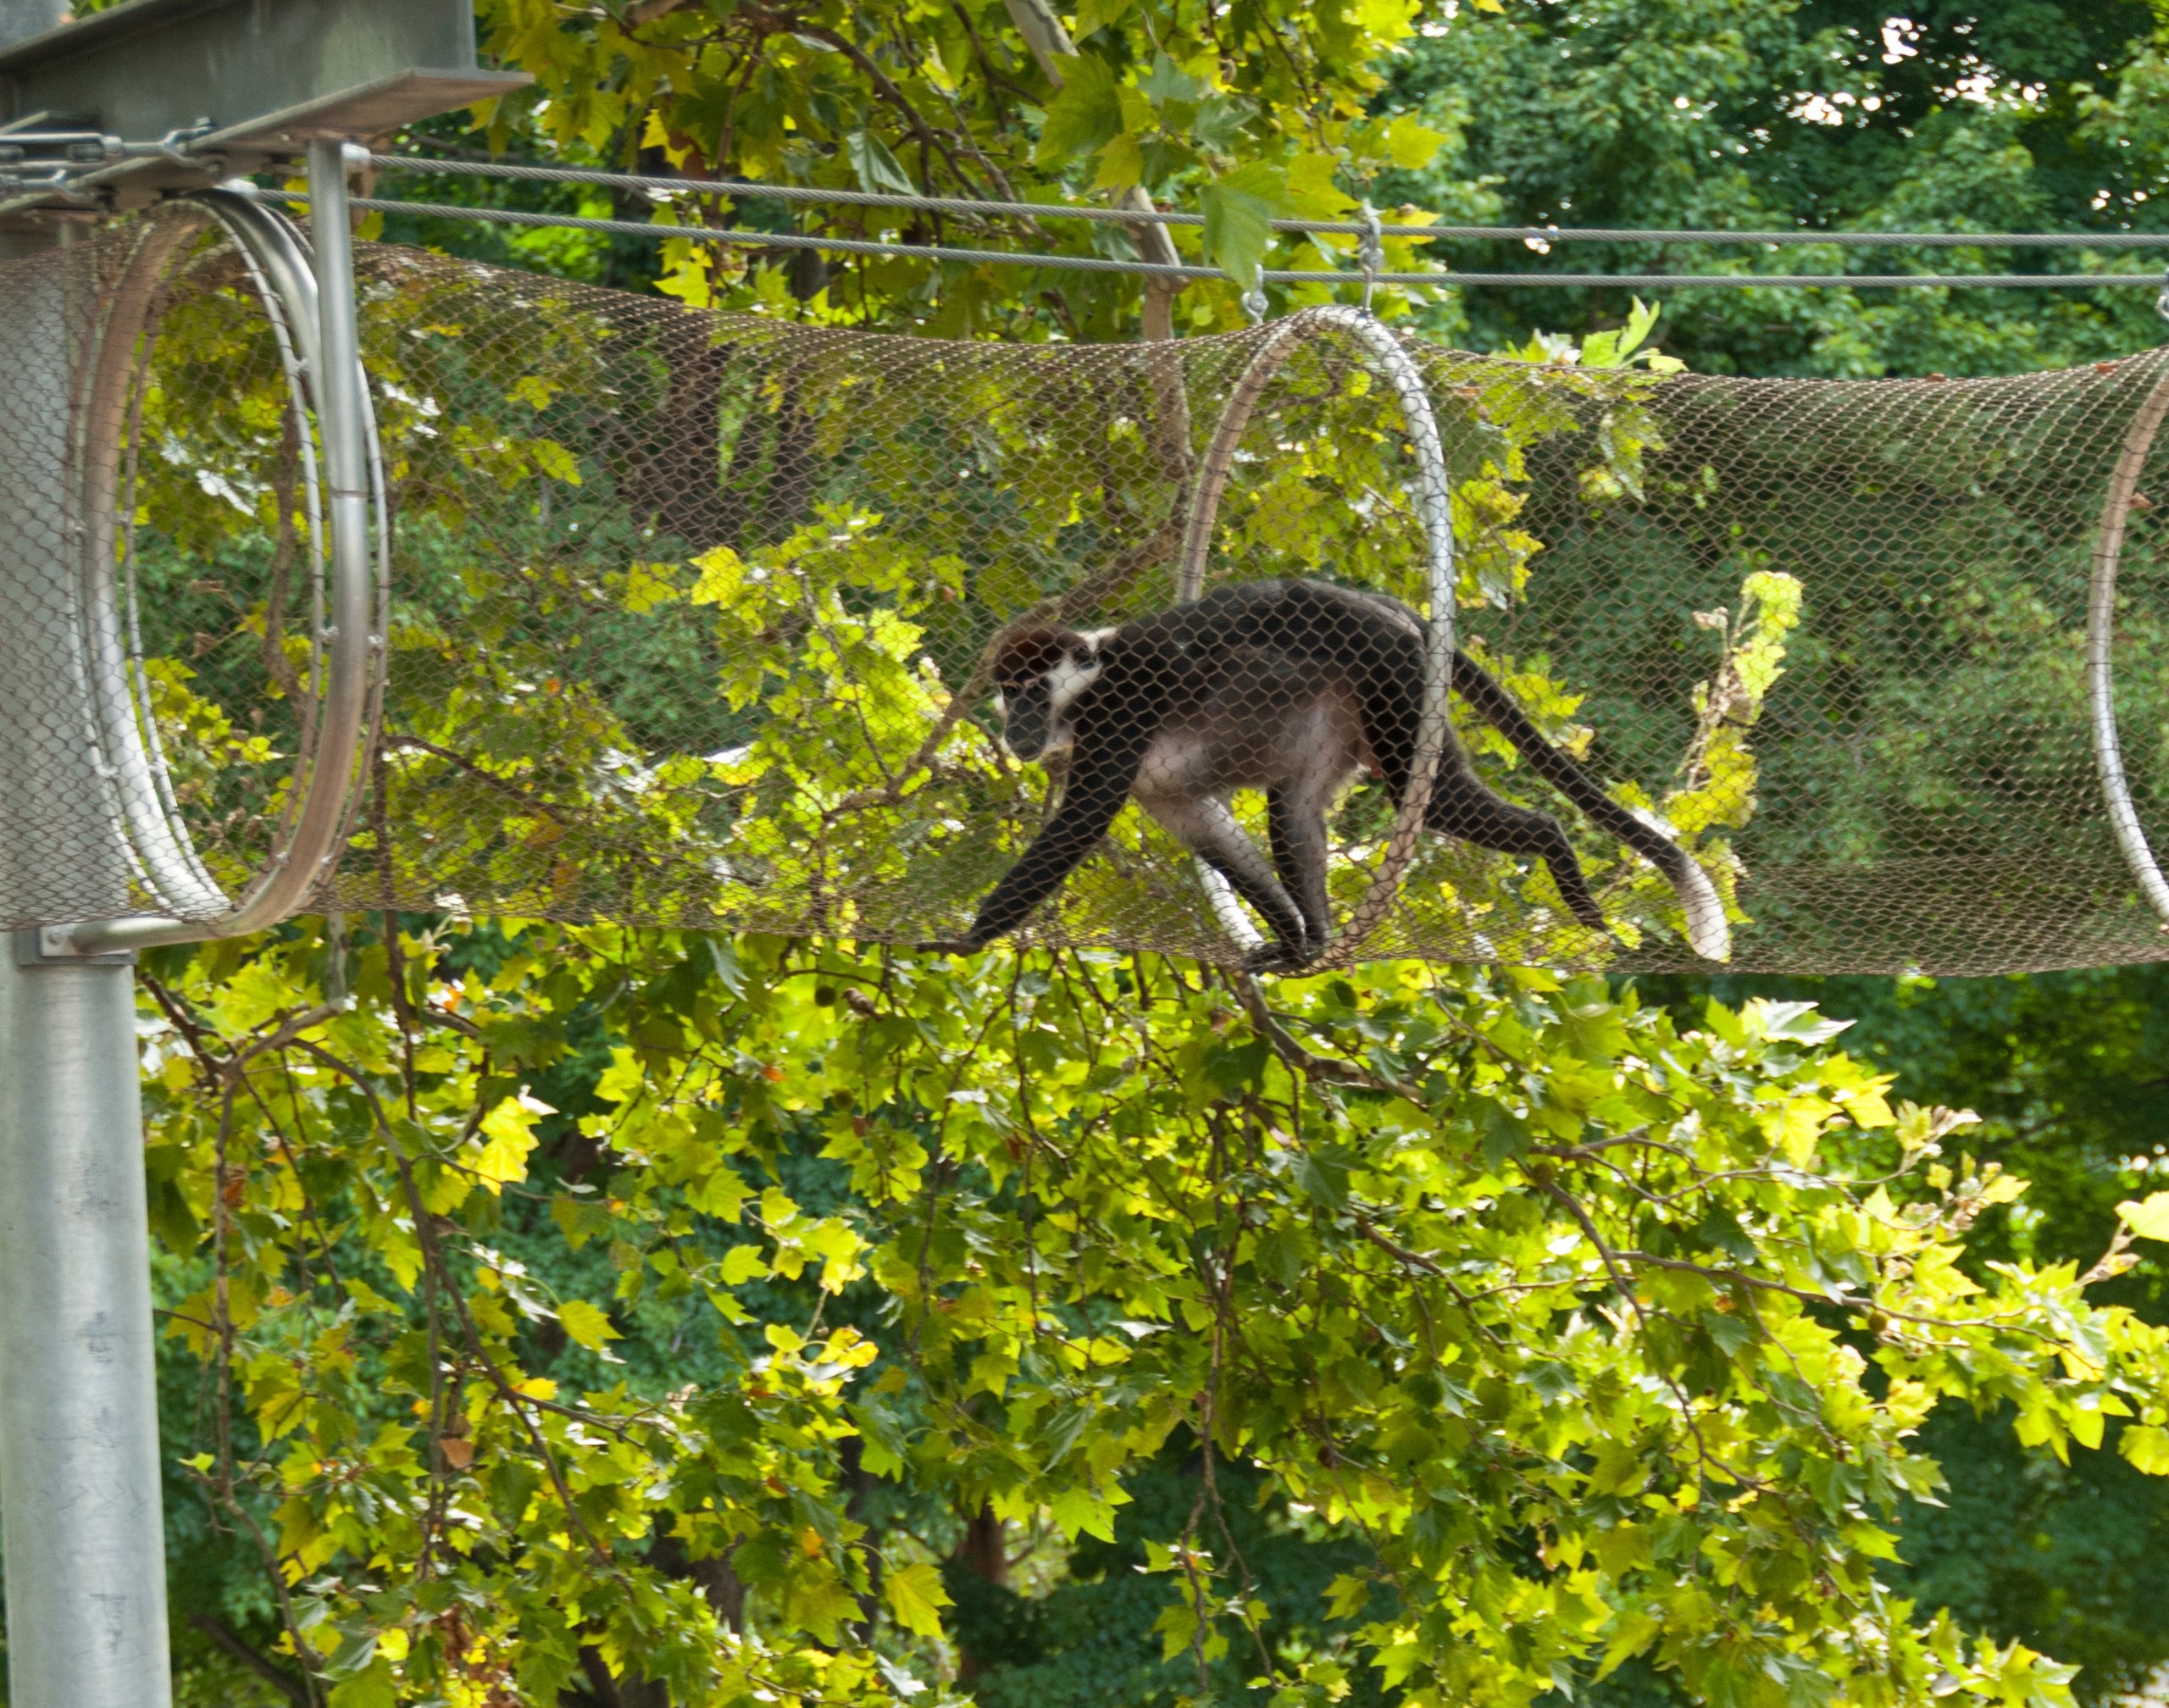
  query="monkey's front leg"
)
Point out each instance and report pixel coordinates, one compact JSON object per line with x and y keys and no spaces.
{"x":1095,"y":796}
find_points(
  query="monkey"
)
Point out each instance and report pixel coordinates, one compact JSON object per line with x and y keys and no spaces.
{"x":1292,"y":687}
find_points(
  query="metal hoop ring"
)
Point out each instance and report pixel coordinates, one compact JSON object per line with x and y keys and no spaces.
{"x":2101,"y":663}
{"x":349,"y":648}
{"x":1433,"y":496}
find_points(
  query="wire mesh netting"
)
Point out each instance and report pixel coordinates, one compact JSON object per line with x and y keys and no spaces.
{"x":701,"y":619}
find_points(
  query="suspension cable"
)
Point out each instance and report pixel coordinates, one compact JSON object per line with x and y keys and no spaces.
{"x":740,"y":238}
{"x":739,"y":190}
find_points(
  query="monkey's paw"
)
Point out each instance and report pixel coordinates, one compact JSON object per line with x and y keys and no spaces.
{"x":1278,"y":958}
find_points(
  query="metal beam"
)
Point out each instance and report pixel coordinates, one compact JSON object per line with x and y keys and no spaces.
{"x":268,"y":75}
{"x":20,"y":19}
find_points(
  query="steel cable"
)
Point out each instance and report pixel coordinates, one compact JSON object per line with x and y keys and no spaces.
{"x":1271,"y":275}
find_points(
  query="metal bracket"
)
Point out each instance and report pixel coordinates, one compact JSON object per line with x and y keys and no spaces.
{"x":273,"y":75}
{"x":1371,"y":253}
{"x":54,"y":945}
{"x":42,"y":159}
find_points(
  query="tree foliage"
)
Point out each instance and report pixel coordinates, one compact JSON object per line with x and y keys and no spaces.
{"x":1823,"y":115}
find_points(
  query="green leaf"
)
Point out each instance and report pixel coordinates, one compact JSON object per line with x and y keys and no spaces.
{"x":742,"y":1263}
{"x":1347,"y":1595}
{"x":1121,"y":163}
{"x":2147,"y":1446}
{"x":1094,"y":15}
{"x":1410,"y":144}
{"x":1239,"y":208}
{"x":1085,"y":116}
{"x":915,"y":1597}
{"x":1321,"y":1174}
{"x":374,"y":1686}
{"x":1280,"y":1251}
{"x":1505,"y":1135}
{"x":1083,"y":1511}
{"x":509,"y":1129}
{"x":586,"y":1325}
{"x":877,"y":169}
{"x":722,"y":1195}
{"x":2147,"y":1216}
{"x":723,"y":957}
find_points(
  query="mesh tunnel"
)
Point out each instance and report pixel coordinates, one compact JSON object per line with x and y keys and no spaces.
{"x":692,"y":621}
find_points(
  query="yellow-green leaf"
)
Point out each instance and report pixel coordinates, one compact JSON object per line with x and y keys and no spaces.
{"x":586,"y":1325}
{"x":915,"y":1597}
{"x":2147,"y":1446}
{"x":508,"y":1129}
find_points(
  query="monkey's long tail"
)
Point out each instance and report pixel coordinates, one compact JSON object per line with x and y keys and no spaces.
{"x":1708,"y":931}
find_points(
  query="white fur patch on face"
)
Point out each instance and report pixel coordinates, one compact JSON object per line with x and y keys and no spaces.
{"x":1068,"y":679}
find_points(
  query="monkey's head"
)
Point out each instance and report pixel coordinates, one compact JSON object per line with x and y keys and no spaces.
{"x":1039,"y":673}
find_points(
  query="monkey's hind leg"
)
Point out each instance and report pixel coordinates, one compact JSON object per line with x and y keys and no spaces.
{"x":1466,"y":809}
{"x":1294,"y":817}
{"x":1206,"y":826}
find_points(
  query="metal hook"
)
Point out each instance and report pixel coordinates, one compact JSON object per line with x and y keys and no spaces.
{"x":1254,"y":304}
{"x":2161,"y":302}
{"x":1371,"y":253}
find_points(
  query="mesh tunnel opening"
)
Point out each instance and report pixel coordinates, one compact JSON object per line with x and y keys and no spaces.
{"x":692,"y":618}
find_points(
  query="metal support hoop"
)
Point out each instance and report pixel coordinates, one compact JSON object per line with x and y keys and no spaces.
{"x":1433,"y":496}
{"x":312,"y":309}
{"x":2101,"y":663}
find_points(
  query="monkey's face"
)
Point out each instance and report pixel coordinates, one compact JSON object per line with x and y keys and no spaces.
{"x":1040,"y":674}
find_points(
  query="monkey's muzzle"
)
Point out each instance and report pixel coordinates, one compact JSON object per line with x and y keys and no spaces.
{"x":1027,"y":725}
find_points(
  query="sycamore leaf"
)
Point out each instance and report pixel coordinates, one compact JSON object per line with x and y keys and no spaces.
{"x":1410,"y":144}
{"x":1080,"y":1511}
{"x":1177,"y":1624}
{"x":2147,"y":1446}
{"x":1085,"y":116}
{"x":1121,"y":163}
{"x":373,"y":1687}
{"x":510,"y":1130}
{"x":741,"y":1263}
{"x":586,"y":1324}
{"x":877,"y":169}
{"x":2147,"y":1216}
{"x":1238,"y":207}
{"x":1094,"y":15}
{"x":915,"y":1597}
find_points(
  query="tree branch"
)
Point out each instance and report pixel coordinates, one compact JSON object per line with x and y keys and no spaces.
{"x":1296,"y":1057}
{"x":227,"y":1639}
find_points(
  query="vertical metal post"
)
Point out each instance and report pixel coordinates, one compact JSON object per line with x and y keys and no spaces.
{"x":340,"y":414}
{"x":81,"y":1522}
{"x":80,"y":1512}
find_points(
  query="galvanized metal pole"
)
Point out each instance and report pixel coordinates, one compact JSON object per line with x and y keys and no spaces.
{"x":81,"y":1522}
{"x":80,"y":1513}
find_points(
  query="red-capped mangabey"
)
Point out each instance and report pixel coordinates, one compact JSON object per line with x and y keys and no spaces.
{"x":1291,"y":687}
